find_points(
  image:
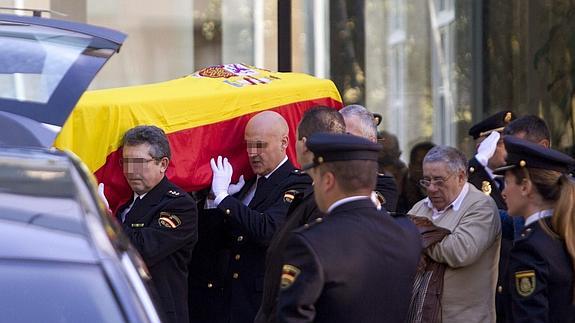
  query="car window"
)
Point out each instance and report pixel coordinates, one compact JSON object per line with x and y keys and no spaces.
{"x":34,"y":59}
{"x":56,"y":292}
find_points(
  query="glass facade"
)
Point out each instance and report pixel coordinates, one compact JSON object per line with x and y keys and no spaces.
{"x":432,"y":68}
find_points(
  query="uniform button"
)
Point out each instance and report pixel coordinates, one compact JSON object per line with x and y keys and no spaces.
{"x":240,"y":238}
{"x":236,"y":275}
{"x":210,"y":285}
{"x":237,"y":257}
{"x":500,"y":289}
{"x":318,"y":220}
{"x":523,"y":235}
{"x":228,"y":211}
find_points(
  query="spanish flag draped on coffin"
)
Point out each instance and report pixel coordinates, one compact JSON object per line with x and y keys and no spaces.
{"x":203,"y":115}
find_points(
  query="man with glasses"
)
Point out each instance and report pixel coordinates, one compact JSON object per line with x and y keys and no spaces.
{"x":160,"y":219}
{"x":227,"y":284}
{"x":470,"y":252}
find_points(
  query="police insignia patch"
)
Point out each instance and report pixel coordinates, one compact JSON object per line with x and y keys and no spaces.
{"x":289,"y":275}
{"x":168,"y":220}
{"x":486,"y":187}
{"x":289,"y":196}
{"x":525,"y":282}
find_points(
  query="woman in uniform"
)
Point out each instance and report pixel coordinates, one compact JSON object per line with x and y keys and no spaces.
{"x":541,"y":263}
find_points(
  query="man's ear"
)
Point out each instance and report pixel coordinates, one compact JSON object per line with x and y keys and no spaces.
{"x":285,"y":142}
{"x":164,"y":162}
{"x":328,"y":181}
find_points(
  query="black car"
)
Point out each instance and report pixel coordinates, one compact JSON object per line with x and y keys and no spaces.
{"x":62,"y":259}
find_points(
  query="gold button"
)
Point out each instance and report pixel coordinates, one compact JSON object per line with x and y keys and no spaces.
{"x":500,"y":289}
{"x":237,"y":257}
{"x":236,"y":275}
{"x":210,"y":285}
{"x":228,"y":211}
{"x":240,"y":238}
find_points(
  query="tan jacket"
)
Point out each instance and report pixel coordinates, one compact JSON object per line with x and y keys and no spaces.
{"x":471,"y":253}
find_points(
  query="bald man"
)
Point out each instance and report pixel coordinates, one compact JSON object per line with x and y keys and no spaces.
{"x":250,"y":218}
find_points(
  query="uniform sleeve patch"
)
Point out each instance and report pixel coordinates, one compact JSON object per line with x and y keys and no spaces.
{"x":170,"y":221}
{"x":289,"y":275}
{"x":173,"y":193}
{"x":525,"y":282}
{"x":289,"y":196}
{"x":486,"y":187}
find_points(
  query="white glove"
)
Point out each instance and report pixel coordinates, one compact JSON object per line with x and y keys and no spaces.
{"x":375,"y":200}
{"x":222,"y":171}
{"x":234,"y":188}
{"x":102,"y":196}
{"x":487,"y":147}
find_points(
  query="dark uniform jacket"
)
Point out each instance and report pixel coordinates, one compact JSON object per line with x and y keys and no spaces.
{"x":540,"y":278}
{"x":387,"y":188}
{"x":479,"y":177}
{"x":163,"y":228}
{"x":355,"y":265}
{"x":302,"y":210}
{"x":237,"y":271}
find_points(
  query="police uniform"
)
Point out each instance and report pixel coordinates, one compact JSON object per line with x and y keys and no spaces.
{"x":478,"y":176}
{"x":540,"y":275}
{"x":302,"y":210}
{"x":386,"y":190}
{"x":248,"y":230}
{"x":162,"y":226}
{"x":353,"y":265}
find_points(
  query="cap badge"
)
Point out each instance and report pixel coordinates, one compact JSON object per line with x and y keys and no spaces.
{"x":289,"y":275}
{"x":486,"y":187}
{"x":170,"y":221}
{"x":525,"y":282}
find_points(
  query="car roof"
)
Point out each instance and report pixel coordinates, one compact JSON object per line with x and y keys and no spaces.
{"x":43,"y":211}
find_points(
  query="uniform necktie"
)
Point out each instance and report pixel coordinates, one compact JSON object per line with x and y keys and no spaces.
{"x":259,"y":184}
{"x":132,"y":206}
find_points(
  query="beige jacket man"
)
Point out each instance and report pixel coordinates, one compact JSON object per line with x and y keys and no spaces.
{"x":471,"y":251}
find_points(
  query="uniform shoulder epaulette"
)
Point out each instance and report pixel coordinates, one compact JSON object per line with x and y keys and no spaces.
{"x":291,"y":195}
{"x":174,"y":193}
{"x":313,"y":223}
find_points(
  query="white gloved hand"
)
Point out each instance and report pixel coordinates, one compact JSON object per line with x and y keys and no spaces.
{"x":102,"y":196}
{"x":234,"y":188}
{"x":222,"y":178}
{"x":487,"y":148}
{"x":375,"y":200}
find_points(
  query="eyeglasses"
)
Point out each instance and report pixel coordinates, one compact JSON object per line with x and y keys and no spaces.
{"x":437,"y":181}
{"x":257,"y":145}
{"x":136,"y":161}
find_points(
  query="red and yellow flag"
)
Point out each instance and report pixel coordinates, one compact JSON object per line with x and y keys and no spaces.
{"x":203,"y":115}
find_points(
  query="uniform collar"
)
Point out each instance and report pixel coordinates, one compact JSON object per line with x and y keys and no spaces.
{"x":537,"y":216}
{"x":346,"y":200}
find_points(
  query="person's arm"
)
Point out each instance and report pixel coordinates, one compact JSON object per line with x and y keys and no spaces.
{"x":528,"y":278}
{"x":301,"y":283}
{"x":477,"y":231}
{"x":261,"y":226}
{"x":160,"y":238}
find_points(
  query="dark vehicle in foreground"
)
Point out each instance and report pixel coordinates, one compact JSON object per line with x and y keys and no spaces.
{"x":61,"y":258}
